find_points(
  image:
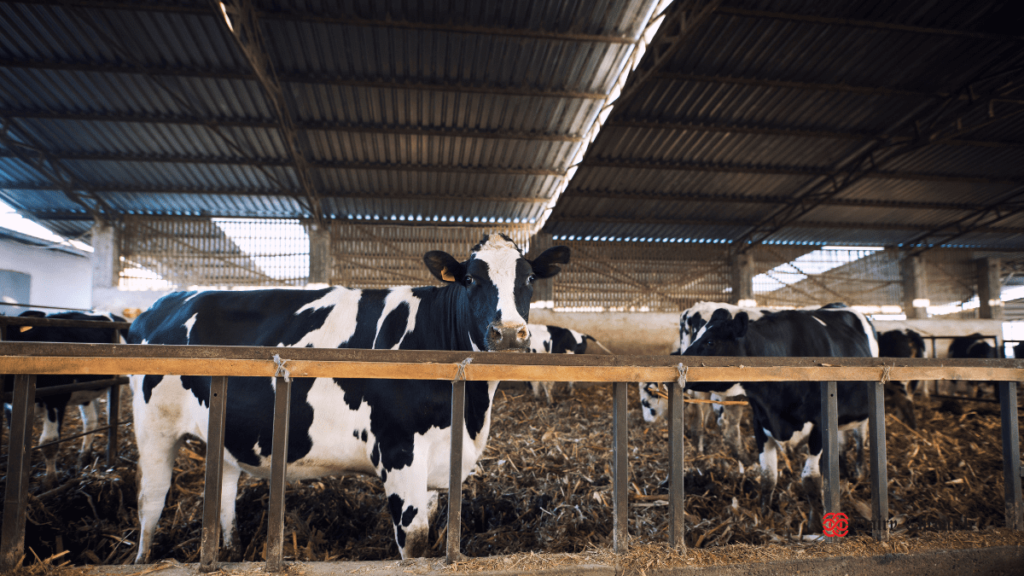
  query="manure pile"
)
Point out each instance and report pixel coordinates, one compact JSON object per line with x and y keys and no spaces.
{"x":544,"y":486}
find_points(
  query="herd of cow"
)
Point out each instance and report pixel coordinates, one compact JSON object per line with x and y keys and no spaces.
{"x":399,"y":430}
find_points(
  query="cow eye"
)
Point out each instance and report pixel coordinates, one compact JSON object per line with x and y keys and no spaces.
{"x":530,"y":279}
{"x":710,"y":344}
{"x":469,"y":281}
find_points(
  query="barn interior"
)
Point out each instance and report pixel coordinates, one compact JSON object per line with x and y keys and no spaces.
{"x":783,"y":154}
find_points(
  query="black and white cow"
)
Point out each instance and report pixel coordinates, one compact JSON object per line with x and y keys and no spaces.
{"x":53,"y":407}
{"x":398,"y":430}
{"x":654,"y":400}
{"x":902,"y":344}
{"x":546,"y":339}
{"x":790,"y":412}
{"x":973,"y":346}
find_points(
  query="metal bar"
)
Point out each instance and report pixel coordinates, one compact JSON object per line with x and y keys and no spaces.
{"x":278,"y":467}
{"x":620,"y":469}
{"x":453,"y":553}
{"x":677,"y":447}
{"x":80,"y":434}
{"x":61,"y":322}
{"x":113,"y":411}
{"x":214,"y":474}
{"x":19,"y":465}
{"x":879,"y":471}
{"x":1011,"y":456}
{"x":76,"y":387}
{"x":830,"y":449}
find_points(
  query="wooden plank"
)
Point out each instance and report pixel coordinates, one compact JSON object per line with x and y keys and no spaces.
{"x":676,"y":447}
{"x":278,"y":470}
{"x":214,"y":475}
{"x":453,"y":554}
{"x":1011,"y":456}
{"x":620,"y":469}
{"x":484,"y":371}
{"x":19,"y":466}
{"x":829,"y":465}
{"x":879,"y":470}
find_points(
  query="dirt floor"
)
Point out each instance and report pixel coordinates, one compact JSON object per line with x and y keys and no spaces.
{"x":544,"y":487}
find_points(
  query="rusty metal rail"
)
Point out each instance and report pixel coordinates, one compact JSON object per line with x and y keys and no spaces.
{"x":23,"y":359}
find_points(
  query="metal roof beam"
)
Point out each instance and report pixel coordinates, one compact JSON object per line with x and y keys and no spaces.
{"x":870,"y":24}
{"x":285,"y":163}
{"x":791,"y":171}
{"x":362,"y":196}
{"x":795,"y":85}
{"x":684,"y":197}
{"x":297,"y":16}
{"x":740,"y":223}
{"x":787,"y":132}
{"x":156,"y":71}
{"x":980,"y":220}
{"x":242,"y":20}
{"x":299,"y":125}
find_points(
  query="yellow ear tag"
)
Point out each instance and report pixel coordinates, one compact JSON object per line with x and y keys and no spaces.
{"x":446,"y":276}
{"x":25,"y":328}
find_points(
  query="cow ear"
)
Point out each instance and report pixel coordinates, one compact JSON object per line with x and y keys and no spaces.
{"x":739,"y":325}
{"x":443,"y":266}
{"x":544,"y":265}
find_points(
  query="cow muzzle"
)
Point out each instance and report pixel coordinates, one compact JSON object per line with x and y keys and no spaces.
{"x":507,"y":337}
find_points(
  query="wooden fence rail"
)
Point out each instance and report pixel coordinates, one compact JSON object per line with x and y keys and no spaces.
{"x":27,"y":360}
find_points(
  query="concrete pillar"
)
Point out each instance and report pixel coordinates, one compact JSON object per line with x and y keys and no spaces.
{"x":915,"y":287}
{"x":320,"y":262}
{"x":989,"y":288}
{"x":742,"y":280}
{"x":106,"y":255}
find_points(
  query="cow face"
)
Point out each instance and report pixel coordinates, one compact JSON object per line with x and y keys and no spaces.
{"x":722,"y":336}
{"x":495,"y":287}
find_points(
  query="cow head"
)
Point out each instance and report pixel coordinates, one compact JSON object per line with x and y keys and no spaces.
{"x":495,"y":288}
{"x":722,"y":336}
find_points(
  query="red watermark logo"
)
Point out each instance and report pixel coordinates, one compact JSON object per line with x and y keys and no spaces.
{"x":835,"y":524}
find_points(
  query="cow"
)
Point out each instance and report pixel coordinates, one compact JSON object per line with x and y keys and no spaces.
{"x":654,"y":403}
{"x":53,"y":407}
{"x":546,"y":339}
{"x":973,"y":346}
{"x":790,"y":412}
{"x":398,"y":430}
{"x":902,"y":344}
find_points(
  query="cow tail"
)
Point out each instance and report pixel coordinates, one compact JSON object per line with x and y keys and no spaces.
{"x":594,"y":340}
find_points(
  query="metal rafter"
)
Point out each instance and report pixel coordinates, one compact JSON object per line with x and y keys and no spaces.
{"x":870,"y":24}
{"x":342,"y":127}
{"x":791,"y":171}
{"x":927,"y":123}
{"x":285,"y":163}
{"x":297,"y":16}
{"x":32,"y":153}
{"x":481,"y":196}
{"x":740,"y":223}
{"x":413,"y":85}
{"x":980,"y":220}
{"x":242,"y":20}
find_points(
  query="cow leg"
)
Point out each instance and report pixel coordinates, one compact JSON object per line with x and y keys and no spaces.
{"x":546,"y":386}
{"x":409,"y":502}
{"x":729,"y":420}
{"x":769,"y":470}
{"x":228,"y":493}
{"x":697,"y":424}
{"x":90,"y":421}
{"x":811,"y":481}
{"x":53,"y":415}
{"x":549,"y":388}
{"x":156,"y":464}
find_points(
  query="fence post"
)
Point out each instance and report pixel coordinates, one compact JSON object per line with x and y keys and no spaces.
{"x":830,"y":449}
{"x":278,"y":467}
{"x":113,"y":413}
{"x":1011,"y":455}
{"x":19,"y":466}
{"x":214,"y":474}
{"x":676,"y":459}
{"x":620,"y":469}
{"x":879,"y":472}
{"x":453,"y":554}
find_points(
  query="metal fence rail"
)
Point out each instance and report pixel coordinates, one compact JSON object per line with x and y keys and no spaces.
{"x":25,"y":359}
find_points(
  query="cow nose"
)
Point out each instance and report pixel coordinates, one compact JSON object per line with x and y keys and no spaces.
{"x":507,"y":336}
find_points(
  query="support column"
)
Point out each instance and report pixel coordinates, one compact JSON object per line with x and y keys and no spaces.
{"x":915,"y":287}
{"x":742,"y":280}
{"x":319,"y":254}
{"x":106,"y":255}
{"x":989,"y":287}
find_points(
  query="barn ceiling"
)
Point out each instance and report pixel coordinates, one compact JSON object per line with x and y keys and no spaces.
{"x":859,"y":122}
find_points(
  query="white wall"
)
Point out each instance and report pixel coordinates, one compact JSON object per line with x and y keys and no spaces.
{"x":58,"y":278}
